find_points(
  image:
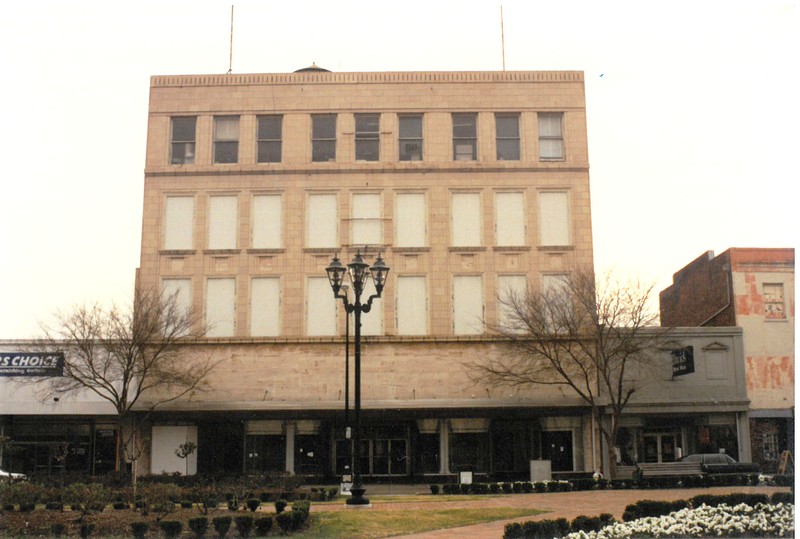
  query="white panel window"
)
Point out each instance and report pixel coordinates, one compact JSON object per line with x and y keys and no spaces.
{"x":510,"y":287}
{"x":321,"y":229}
{"x":410,"y":217}
{"x":551,"y":136}
{"x":412,"y":305}
{"x":554,"y":218}
{"x":557,"y":286}
{"x":467,"y":305}
{"x":510,"y":220}
{"x":466,"y":219}
{"x":181,"y":291}
{"x":178,"y":222}
{"x":366,"y":219}
{"x":165,"y":440}
{"x":222,"y":221}
{"x":372,"y":322}
{"x":320,"y":308}
{"x":265,"y":307}
{"x":267,"y":222}
{"x":221,"y":307}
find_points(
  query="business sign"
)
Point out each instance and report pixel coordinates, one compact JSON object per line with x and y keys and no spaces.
{"x":683,"y":361}
{"x":31,"y":364}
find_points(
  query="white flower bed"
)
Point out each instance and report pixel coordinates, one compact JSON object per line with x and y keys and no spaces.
{"x":763,"y":520}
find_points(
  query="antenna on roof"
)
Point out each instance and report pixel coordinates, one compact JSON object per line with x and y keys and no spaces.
{"x":230,"y":57}
{"x":502,"y":37}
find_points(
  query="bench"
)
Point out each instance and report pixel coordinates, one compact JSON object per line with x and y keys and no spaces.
{"x":667,"y":469}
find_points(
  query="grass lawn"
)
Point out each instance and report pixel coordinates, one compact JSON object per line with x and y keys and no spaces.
{"x":372,"y":524}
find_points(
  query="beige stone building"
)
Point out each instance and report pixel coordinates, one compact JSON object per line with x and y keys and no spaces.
{"x":467,"y":183}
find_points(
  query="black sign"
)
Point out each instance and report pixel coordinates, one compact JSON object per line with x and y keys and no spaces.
{"x":31,"y":364}
{"x":683,"y":361}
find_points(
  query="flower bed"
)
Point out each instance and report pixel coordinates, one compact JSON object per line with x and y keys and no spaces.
{"x":763,"y":520}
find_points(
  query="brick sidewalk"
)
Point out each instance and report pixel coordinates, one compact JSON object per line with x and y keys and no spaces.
{"x":558,"y":504}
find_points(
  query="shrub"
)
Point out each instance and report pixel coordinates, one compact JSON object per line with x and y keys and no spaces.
{"x":508,"y":488}
{"x":652,"y":508}
{"x":479,"y":488}
{"x":54,"y":506}
{"x":120,"y":506}
{"x":186,"y":504}
{"x":21,"y":493}
{"x":263,"y":525}
{"x":280,"y":505}
{"x":244,"y":525}
{"x":464,"y":488}
{"x":494,"y":488}
{"x":253,"y":504}
{"x":91,"y":497}
{"x":57,"y":529}
{"x":139,"y":529}
{"x":284,"y":521}
{"x":782,"y":497}
{"x":332,"y":493}
{"x":451,"y":488}
{"x":159,"y":496}
{"x":222,"y":525}
{"x":784,"y":480}
{"x":86,"y":530}
{"x":199,"y":526}
{"x":586,"y":524}
{"x":540,"y":486}
{"x":514,"y":531}
{"x":527,"y":487}
{"x":434,"y":489}
{"x":171,"y":528}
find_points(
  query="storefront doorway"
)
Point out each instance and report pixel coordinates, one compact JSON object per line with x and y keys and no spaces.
{"x":557,"y":448}
{"x":660,"y":446}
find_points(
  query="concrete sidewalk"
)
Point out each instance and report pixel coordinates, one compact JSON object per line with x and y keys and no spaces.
{"x":556,"y":505}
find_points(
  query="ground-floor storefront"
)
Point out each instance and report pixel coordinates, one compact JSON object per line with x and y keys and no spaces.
{"x":771,"y":434}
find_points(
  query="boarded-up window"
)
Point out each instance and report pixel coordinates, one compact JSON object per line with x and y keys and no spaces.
{"x":222,"y":221}
{"x":466,"y":219}
{"x":510,"y":219}
{"x":554,"y":218}
{"x":412,"y":305}
{"x":267,"y":222}
{"x":322,"y":230}
{"x":181,"y":291}
{"x":178,"y":222}
{"x":221,"y":307}
{"x":410,"y":217}
{"x":716,"y":364}
{"x":511,"y":290}
{"x":366,"y":219}
{"x":320,"y":308}
{"x":372,"y":322}
{"x":265,"y":307}
{"x":467,"y":305}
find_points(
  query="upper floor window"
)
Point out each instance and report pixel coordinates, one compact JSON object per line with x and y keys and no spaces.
{"x":773,"y":301}
{"x":367,"y":137}
{"x":178,"y":222}
{"x":323,"y":137}
{"x":465,"y":136}
{"x":221,"y":307}
{"x":510,"y":219}
{"x":222,"y":221}
{"x":507,"y":133}
{"x":182,"y":147}
{"x":267,"y":214}
{"x":554,"y":218}
{"x":321,"y":221}
{"x":410,"y":218}
{"x":366,"y":219}
{"x":226,"y":139}
{"x":269,"y":138}
{"x":467,"y":305}
{"x":466,"y":220}
{"x":551,"y":136}
{"x":410,"y":137}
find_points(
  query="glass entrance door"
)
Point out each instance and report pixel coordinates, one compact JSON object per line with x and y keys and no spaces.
{"x":660,"y":447}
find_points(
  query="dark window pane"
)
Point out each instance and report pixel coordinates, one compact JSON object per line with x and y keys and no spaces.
{"x":226,"y":152}
{"x":367,"y":150}
{"x":324,"y":126}
{"x":508,"y":149}
{"x":324,"y":150}
{"x":464,"y":126}
{"x":182,"y":153}
{"x":411,"y":150}
{"x":411,"y":127}
{"x":367,"y":124}
{"x":269,"y":151}
{"x":507,"y":126}
{"x":269,"y":127}
{"x":465,"y":150}
{"x":183,"y":129}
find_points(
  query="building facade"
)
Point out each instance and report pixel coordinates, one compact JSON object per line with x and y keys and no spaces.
{"x":752,"y":289}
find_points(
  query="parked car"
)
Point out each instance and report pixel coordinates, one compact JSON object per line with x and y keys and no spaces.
{"x":11,"y":476}
{"x":713,"y":463}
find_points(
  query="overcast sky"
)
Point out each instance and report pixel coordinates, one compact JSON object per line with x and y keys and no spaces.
{"x":692,"y":117}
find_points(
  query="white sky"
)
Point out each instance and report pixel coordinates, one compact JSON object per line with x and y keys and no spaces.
{"x":692,"y":117}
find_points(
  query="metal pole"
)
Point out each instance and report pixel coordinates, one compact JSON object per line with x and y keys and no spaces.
{"x":357,"y":492}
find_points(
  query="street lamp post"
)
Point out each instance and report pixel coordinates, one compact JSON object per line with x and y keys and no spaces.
{"x":359,"y":272}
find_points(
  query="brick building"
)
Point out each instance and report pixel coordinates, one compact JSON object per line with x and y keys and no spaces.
{"x":753,"y":289}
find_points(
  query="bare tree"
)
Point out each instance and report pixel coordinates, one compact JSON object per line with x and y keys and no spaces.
{"x":580,"y":334}
{"x":123,"y":354}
